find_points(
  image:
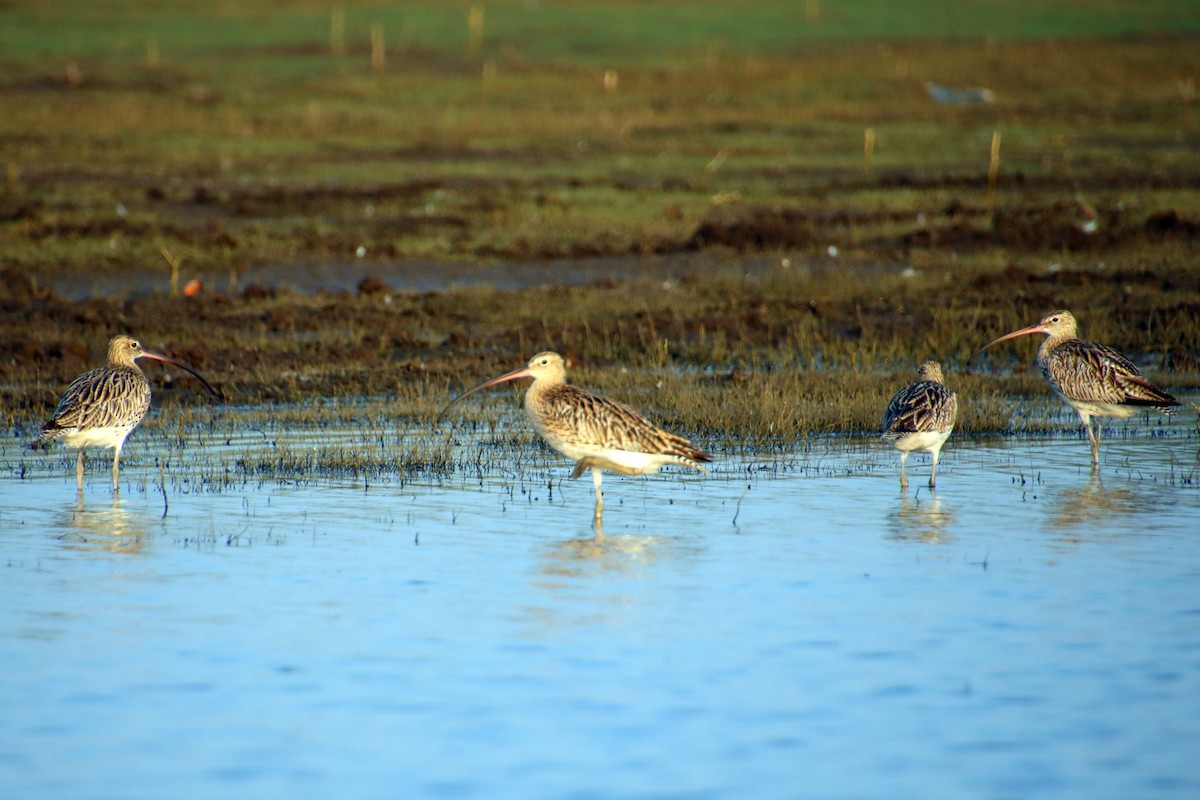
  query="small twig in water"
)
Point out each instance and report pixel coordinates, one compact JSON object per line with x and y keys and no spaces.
{"x":738,"y":508}
{"x":162,"y":484}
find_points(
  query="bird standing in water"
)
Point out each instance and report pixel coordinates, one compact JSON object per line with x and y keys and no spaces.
{"x":595,"y":432}
{"x":1093,"y":379}
{"x":102,"y":407}
{"x":921,"y":417}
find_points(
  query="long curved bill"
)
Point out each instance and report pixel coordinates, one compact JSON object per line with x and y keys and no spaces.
{"x":166,"y":360}
{"x":516,"y":374}
{"x":1007,"y":336}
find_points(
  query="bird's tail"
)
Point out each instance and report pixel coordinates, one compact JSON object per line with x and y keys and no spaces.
{"x":1141,"y":392}
{"x":48,"y":436}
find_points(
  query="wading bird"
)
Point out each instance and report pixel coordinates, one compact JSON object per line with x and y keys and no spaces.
{"x":1095,"y":380}
{"x":595,"y":432}
{"x":102,"y":407}
{"x":921,"y":417}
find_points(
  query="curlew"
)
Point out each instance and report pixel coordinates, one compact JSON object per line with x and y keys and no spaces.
{"x":102,"y":407}
{"x":921,"y":417}
{"x":595,"y":432}
{"x":1093,"y":379}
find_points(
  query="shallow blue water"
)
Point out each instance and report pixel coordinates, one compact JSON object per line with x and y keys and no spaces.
{"x":789,"y":626}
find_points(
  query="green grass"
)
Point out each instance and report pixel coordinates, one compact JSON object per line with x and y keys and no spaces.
{"x":583,"y":31}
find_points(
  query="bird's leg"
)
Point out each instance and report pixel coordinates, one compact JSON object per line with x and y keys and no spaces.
{"x":79,"y":471}
{"x":903,"y":477}
{"x":933,"y":474}
{"x":580,"y":466}
{"x":1093,"y":438}
{"x":597,"y":475}
{"x":116,"y":467}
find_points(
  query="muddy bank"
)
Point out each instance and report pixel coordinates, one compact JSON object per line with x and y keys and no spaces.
{"x":750,"y":345}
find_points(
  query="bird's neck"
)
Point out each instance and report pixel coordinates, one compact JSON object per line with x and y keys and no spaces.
{"x":540,"y":390}
{"x":1052,"y":343}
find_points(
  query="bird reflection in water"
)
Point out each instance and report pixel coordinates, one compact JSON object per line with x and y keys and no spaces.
{"x":1092,"y":502}
{"x":923,"y":517}
{"x":596,"y":579}
{"x":597,"y":552}
{"x":108,"y":527}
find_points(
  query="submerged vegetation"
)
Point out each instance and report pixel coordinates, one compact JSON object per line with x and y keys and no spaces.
{"x":751,"y":223}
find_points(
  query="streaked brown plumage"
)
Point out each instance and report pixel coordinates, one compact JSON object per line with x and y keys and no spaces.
{"x":921,"y":416}
{"x":595,"y":432}
{"x":102,"y":407}
{"x":1095,"y":380}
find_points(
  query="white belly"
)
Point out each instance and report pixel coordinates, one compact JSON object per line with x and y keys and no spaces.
{"x":1100,"y":409}
{"x":923,"y":440}
{"x":111,"y":436}
{"x":627,"y":461}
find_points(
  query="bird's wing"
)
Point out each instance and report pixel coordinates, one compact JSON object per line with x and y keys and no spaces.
{"x":100,"y":396}
{"x":919,"y":407}
{"x":1094,"y":373}
{"x":590,"y":419}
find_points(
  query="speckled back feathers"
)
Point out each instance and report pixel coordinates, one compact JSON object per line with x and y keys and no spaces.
{"x":564,"y":413}
{"x":111,"y":396}
{"x":1087,"y":372}
{"x":922,"y":407}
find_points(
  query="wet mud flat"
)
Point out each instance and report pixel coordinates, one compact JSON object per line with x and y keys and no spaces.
{"x":751,"y":243}
{"x":757,"y":351}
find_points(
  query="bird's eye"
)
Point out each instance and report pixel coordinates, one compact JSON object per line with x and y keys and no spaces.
{"x":136,"y":345}
{"x":1054,"y":320}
